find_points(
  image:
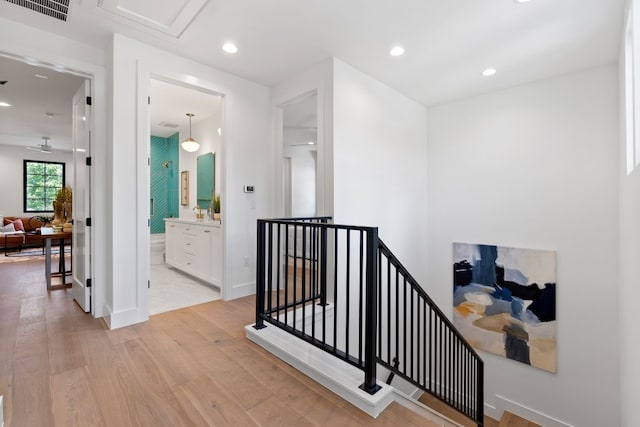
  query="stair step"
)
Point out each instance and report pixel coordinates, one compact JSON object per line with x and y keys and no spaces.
{"x":512,"y":420}
{"x":438,"y":406}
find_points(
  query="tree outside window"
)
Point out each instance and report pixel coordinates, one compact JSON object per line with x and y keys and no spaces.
{"x":42,"y":180}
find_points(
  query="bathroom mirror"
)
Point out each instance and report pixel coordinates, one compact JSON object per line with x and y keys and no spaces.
{"x":206,"y":185}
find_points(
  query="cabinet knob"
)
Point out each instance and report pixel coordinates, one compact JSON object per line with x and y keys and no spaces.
{"x":207,"y":231}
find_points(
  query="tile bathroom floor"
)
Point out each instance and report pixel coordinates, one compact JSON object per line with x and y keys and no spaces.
{"x":171,"y":289}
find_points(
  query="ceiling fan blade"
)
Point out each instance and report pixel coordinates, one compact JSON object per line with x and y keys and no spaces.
{"x":41,"y":148}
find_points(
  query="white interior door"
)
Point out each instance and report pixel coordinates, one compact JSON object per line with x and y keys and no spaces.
{"x":81,"y":257}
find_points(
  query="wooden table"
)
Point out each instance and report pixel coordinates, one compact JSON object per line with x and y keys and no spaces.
{"x":61,"y":236}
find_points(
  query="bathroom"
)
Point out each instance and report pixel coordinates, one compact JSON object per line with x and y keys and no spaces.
{"x":182,"y":184}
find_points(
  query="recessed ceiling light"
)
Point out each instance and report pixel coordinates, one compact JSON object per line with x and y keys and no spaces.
{"x":40,"y":76}
{"x":4,"y":104}
{"x":521,"y":1}
{"x":489,"y":72}
{"x":230,"y":48}
{"x":396,"y":51}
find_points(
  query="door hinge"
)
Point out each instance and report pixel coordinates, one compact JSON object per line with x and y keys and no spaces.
{"x":148,"y":100}
{"x":88,"y":161}
{"x":148,"y":284}
{"x":89,"y":100}
{"x":148,"y":161}
{"x":148,"y":222}
{"x":89,"y":283}
{"x":88,"y":222}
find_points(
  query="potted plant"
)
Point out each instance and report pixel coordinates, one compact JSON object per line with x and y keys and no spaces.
{"x":62,"y":206}
{"x":216,"y":207}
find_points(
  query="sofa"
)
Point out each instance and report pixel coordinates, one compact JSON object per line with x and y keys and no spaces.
{"x":31,"y":228}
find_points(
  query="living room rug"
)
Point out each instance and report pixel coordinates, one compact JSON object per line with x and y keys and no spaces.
{"x":31,"y":254}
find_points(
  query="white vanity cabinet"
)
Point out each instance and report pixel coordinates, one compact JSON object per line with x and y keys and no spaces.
{"x":195,"y":247}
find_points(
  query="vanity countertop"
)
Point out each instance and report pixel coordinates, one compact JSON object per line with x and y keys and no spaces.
{"x":203,"y":222}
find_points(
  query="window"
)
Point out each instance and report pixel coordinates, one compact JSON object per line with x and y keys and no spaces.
{"x":42,"y":180}
{"x":632,"y":86}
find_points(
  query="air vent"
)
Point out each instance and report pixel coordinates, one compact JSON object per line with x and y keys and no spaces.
{"x":168,"y":125}
{"x":57,"y":9}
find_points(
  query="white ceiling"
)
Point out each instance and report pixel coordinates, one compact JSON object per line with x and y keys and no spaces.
{"x":171,"y":103}
{"x":31,"y":97}
{"x":448,"y":42}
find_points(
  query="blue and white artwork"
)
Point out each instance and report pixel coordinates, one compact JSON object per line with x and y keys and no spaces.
{"x":505,"y":301}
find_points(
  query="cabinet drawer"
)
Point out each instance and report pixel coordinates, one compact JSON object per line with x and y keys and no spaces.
{"x":190,"y":230}
{"x":189,"y":262}
{"x":189,"y":245}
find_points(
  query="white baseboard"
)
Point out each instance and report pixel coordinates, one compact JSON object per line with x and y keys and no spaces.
{"x":238,"y":290}
{"x":124,"y":318}
{"x":504,"y":404}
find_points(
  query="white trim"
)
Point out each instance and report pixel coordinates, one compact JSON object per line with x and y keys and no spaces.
{"x":504,"y":404}
{"x":122,"y":318}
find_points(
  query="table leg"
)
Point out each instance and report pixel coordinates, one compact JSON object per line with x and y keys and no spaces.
{"x":61,"y":262}
{"x":47,"y":262}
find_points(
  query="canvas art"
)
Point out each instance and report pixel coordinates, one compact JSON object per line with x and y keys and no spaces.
{"x":505,"y":301}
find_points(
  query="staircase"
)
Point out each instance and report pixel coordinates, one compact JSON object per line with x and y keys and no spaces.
{"x":353,"y":305}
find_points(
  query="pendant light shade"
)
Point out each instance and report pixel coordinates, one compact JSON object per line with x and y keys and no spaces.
{"x":190,"y":144}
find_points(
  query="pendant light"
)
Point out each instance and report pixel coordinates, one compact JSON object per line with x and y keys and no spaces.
{"x":190,"y":144}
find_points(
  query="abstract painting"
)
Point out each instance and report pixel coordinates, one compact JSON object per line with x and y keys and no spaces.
{"x":505,"y":301}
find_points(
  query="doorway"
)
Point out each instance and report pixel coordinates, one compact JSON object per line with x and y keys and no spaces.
{"x":49,"y":104}
{"x":300,"y":156}
{"x":177,"y":113}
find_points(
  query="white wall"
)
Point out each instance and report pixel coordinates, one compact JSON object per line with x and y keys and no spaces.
{"x":380,"y":163}
{"x":12,"y":172}
{"x":536,"y":167}
{"x":244,"y":150}
{"x":629,"y":267}
{"x":303,"y":180}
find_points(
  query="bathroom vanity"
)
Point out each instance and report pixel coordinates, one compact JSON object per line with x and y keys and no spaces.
{"x":195,"y":247}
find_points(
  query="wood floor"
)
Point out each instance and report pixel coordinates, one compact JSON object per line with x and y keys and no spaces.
{"x":59,"y":366}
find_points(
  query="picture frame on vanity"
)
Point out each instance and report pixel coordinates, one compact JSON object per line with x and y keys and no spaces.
{"x":184,"y":188}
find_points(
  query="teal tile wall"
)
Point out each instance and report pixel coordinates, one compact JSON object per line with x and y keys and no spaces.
{"x":173,"y":181}
{"x":164,"y":181}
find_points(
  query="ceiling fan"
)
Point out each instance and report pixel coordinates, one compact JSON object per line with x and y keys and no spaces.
{"x":43,"y":148}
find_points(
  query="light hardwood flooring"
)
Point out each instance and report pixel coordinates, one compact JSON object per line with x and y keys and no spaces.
{"x":194,"y":366}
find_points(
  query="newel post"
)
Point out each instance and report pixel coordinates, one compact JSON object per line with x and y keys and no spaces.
{"x":260,"y":274}
{"x":371,"y":324}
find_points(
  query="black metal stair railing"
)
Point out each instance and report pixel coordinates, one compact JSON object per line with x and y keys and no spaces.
{"x":339,"y":288}
{"x":417,"y":342}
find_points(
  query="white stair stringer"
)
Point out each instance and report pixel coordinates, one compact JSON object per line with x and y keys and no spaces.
{"x":340,"y":377}
{"x":334,"y":374}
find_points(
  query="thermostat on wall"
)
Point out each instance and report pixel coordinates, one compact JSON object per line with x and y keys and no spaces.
{"x":249,"y":188}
